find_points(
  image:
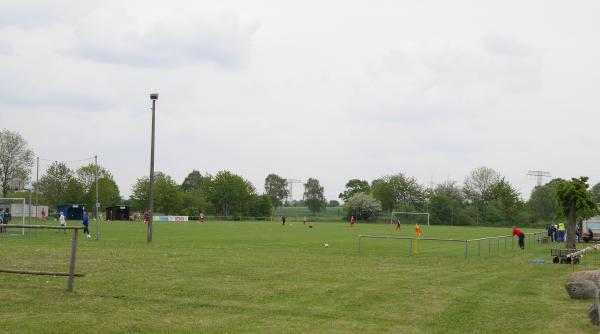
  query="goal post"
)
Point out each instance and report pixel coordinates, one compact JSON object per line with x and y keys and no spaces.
{"x":395,"y":217}
{"x":17,"y":210}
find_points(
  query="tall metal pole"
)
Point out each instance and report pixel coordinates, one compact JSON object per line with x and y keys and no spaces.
{"x":154,"y":97}
{"x":97,"y":203}
{"x":29,"y":215}
{"x":37,"y":176}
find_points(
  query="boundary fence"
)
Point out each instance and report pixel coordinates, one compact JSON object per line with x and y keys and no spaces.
{"x":535,"y":238}
{"x":71,"y":273}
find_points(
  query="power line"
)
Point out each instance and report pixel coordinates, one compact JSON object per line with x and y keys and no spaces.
{"x":66,"y":161}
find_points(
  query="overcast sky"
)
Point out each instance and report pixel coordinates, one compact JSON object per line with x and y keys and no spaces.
{"x":332,"y":90}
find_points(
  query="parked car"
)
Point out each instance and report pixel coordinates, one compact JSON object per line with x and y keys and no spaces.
{"x":590,"y":229}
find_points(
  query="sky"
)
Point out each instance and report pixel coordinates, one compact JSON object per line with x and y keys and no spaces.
{"x":333,"y":90}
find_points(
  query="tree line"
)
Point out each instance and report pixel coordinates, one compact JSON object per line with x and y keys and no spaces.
{"x":484,"y":198}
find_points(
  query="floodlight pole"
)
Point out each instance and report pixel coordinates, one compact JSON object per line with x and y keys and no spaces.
{"x":97,"y":203}
{"x":37,"y":180}
{"x":153,"y":97}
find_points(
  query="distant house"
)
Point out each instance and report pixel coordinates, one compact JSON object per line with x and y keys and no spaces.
{"x":71,"y":211}
{"x":118,"y":212}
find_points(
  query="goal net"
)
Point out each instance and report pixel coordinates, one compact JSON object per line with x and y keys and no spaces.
{"x":14,"y":211}
{"x":410,"y":218}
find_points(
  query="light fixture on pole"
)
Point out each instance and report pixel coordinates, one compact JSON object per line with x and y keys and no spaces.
{"x":153,"y":97}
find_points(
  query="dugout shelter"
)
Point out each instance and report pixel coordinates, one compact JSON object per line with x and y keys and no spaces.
{"x":118,"y":212}
{"x":71,"y":211}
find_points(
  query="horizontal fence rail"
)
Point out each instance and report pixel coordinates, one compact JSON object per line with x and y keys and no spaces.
{"x":534,"y":239}
{"x":73,"y":258}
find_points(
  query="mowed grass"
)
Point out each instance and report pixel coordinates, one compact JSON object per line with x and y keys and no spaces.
{"x":261,"y":277}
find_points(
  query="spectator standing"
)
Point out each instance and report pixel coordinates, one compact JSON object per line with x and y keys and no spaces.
{"x":550,"y":233}
{"x":2,"y":230}
{"x":562,"y":231}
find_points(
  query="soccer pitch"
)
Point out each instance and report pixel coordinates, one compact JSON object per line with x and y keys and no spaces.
{"x":262,"y":277}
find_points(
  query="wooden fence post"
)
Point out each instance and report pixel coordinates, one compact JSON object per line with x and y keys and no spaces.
{"x":72,"y":263}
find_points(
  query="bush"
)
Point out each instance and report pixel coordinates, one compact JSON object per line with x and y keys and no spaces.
{"x":364,"y":206}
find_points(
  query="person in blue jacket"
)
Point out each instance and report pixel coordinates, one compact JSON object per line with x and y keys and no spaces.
{"x":86,"y":222}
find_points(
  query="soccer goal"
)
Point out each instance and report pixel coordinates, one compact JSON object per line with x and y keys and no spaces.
{"x":409,"y":217}
{"x":17,"y":210}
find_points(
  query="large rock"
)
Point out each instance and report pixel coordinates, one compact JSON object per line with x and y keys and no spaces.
{"x":583,"y":284}
{"x":593,"y":315}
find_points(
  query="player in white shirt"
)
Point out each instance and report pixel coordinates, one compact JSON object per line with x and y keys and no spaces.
{"x":62,"y":221}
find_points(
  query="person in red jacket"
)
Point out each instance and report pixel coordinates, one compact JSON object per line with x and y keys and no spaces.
{"x":521,"y":236}
{"x":352,"y":221}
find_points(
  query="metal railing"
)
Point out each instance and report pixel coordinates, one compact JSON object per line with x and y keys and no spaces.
{"x":534,"y":238}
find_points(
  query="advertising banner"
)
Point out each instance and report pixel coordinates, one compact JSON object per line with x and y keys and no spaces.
{"x":170,"y":218}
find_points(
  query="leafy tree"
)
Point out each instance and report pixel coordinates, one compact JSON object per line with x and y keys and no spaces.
{"x":542,"y":202}
{"x":86,"y":175}
{"x":399,"y":192}
{"x":139,"y":194}
{"x":230,"y":193}
{"x":384,"y":193}
{"x":333,"y":204}
{"x":575,"y":201}
{"x":408,"y":192}
{"x":108,"y":194}
{"x":478,"y":189}
{"x":446,"y":205}
{"x":260,"y":206}
{"x":74,"y":193}
{"x":16,"y":159}
{"x":168,"y":198}
{"x":57,"y":183}
{"x":363,"y":206}
{"x":506,"y":202}
{"x":314,"y":196}
{"x":596,"y":192}
{"x":195,"y":181}
{"x":479,"y":184}
{"x":196,"y":201}
{"x":354,"y":186}
{"x":195,"y":189}
{"x":108,"y":191}
{"x":277,"y":188}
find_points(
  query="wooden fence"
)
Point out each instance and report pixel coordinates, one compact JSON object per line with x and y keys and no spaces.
{"x":71,"y":272}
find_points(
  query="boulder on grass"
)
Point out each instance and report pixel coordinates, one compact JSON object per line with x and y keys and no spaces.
{"x":593,"y":315}
{"x":583,"y":284}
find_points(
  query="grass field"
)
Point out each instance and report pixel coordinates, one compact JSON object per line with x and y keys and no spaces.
{"x":261,"y":277}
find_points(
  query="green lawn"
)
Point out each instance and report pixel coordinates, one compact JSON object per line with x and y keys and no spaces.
{"x":261,"y":277}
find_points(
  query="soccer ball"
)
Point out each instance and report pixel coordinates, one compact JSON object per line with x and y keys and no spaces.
{"x":89,"y":236}
{"x":326,"y":245}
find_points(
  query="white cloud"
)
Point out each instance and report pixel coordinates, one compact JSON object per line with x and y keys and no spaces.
{"x":5,"y":48}
{"x":176,"y":39}
{"x":422,"y":83}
